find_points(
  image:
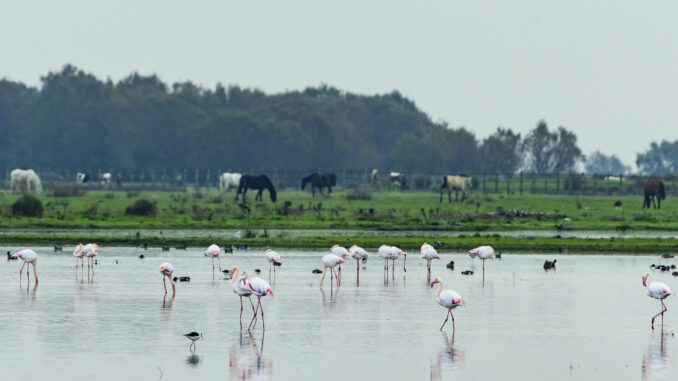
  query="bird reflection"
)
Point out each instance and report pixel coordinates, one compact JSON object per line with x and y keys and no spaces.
{"x":449,"y":360}
{"x":246,"y":361}
{"x":656,"y":360}
{"x":193,"y":360}
{"x":167,"y":302}
{"x":333,"y":296}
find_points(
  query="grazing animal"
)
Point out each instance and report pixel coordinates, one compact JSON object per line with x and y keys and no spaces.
{"x":259,"y":288}
{"x":398,"y":180}
{"x":330,"y":260}
{"x":455,"y":183}
{"x":213,"y":251}
{"x":81,"y":178}
{"x":260,"y":183}
{"x":448,"y":299}
{"x":228,"y":180}
{"x":166,"y":269}
{"x":358,"y":253}
{"x":20,"y":179}
{"x":375,"y":178}
{"x":105,"y":179}
{"x":273,"y":258}
{"x":652,"y":189}
{"x":29,"y":257}
{"x":319,"y":181}
{"x":241,"y":287}
{"x":483,"y":252}
{"x":550,"y":265}
{"x":659,"y":291}
{"x":429,"y":254}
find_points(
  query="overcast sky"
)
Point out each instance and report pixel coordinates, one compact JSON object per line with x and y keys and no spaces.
{"x":607,"y":69}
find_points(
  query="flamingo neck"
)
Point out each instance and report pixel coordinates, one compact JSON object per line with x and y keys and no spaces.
{"x":440,"y":289}
{"x":236,"y":278}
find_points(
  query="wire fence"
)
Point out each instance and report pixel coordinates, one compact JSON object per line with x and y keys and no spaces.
{"x":180,"y":179}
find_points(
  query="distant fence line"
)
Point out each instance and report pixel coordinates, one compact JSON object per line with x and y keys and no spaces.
{"x":518,"y":183}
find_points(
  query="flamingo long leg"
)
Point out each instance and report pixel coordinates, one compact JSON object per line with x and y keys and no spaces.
{"x":21,"y":272}
{"x":219,"y":262}
{"x":357,"y":272}
{"x":664,"y":309}
{"x":445,"y":322}
{"x":263,"y":322}
{"x":164,"y":284}
{"x":323,"y":278}
{"x":241,"y":312}
{"x":255,"y":315}
{"x":35,"y":273}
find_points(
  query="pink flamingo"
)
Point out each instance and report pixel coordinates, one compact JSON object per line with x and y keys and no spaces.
{"x":166,"y":269}
{"x":273,"y":258}
{"x":340,"y":252}
{"x":90,"y":251}
{"x":659,"y":291}
{"x":241,"y":288}
{"x":213,"y":252}
{"x":483,"y":252}
{"x":79,"y":255}
{"x":392,"y":253}
{"x":357,"y":253}
{"x":259,"y":288}
{"x":429,"y":253}
{"x":448,"y":299}
{"x":31,"y":257}
{"x":330,"y":260}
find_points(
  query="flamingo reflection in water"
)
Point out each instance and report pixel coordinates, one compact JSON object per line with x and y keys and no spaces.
{"x":246,"y":360}
{"x":449,"y":360}
{"x":657,"y":361}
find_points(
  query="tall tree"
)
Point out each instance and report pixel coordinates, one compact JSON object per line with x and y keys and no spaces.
{"x":660,"y":158}
{"x":550,"y":152}
{"x":500,"y":152}
{"x":603,"y":164}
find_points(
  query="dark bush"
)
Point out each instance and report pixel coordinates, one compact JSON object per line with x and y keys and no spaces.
{"x":68,"y":191}
{"x":359,"y":194}
{"x":141,"y":208}
{"x":27,"y":206}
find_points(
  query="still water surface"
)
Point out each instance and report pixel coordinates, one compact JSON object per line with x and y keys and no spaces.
{"x":587,"y":320}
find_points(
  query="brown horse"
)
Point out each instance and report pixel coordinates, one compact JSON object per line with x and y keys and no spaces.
{"x":653,"y":188}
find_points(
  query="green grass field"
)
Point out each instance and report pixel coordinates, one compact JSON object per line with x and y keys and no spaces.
{"x":384,"y":211}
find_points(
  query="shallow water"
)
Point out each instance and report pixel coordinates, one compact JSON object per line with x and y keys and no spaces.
{"x":587,"y":320}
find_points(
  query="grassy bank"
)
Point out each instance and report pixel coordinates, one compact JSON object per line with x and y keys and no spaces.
{"x":345,"y":210}
{"x":411,"y":243}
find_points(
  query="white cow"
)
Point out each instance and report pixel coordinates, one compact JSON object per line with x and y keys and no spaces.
{"x":456,"y":184}
{"x":228,"y":179}
{"x":20,"y":178}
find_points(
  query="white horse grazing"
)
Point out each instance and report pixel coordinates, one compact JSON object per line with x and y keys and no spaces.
{"x":456,"y":184}
{"x":20,"y":178}
{"x":105,"y":178}
{"x":228,"y":179}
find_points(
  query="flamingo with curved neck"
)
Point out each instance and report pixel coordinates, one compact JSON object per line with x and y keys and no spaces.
{"x":448,"y":299}
{"x":241,"y":288}
{"x":659,"y":291}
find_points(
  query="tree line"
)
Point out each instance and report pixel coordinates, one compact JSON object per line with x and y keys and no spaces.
{"x":76,"y":120}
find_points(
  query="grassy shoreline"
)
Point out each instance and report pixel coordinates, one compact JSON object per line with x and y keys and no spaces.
{"x":411,"y":243}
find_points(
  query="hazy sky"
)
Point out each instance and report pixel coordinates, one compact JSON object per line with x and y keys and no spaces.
{"x":607,"y":69}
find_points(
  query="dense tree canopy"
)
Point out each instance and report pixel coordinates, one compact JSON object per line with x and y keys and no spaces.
{"x":659,"y":159}
{"x":600,"y":163}
{"x":75,"y":120}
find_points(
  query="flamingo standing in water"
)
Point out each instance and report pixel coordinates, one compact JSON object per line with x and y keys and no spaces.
{"x":213,"y":252}
{"x":357,"y":253}
{"x":273,"y":258}
{"x":330,"y":260}
{"x":340,"y":252}
{"x":79,"y":255}
{"x":448,"y":299}
{"x":659,"y":291}
{"x":391,"y":253}
{"x":166,"y":269}
{"x":429,"y":253}
{"x":241,"y":288}
{"x":90,"y":251}
{"x":259,"y":288}
{"x":31,"y":257}
{"x":483,"y":252}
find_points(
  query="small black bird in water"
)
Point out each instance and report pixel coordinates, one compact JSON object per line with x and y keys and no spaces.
{"x":180,"y":247}
{"x":467,"y":272}
{"x":549,"y":265}
{"x":364,"y":260}
{"x":277,"y":263}
{"x":667,"y":256}
{"x":58,"y":248}
{"x":450,"y":265}
{"x":10,"y":257}
{"x":675,"y":273}
{"x":194,"y":336}
{"x":182,"y":279}
{"x":257,"y":271}
{"x":165,"y":247}
{"x":141,"y":256}
{"x":317,"y":271}
{"x":497,"y":255}
{"x":226,"y":272}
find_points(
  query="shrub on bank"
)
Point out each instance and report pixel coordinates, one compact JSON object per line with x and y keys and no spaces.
{"x":141,"y":208}
{"x":27,"y":206}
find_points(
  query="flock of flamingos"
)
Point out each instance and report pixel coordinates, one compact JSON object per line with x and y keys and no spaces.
{"x":244,"y":286}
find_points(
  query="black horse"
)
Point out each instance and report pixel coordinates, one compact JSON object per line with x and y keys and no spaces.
{"x":260,"y":183}
{"x":320,"y":181}
{"x":653,"y":188}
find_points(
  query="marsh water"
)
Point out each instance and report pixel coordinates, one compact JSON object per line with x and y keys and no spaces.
{"x":589,"y":319}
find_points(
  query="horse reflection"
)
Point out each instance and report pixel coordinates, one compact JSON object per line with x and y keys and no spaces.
{"x":656,"y":360}
{"x":246,"y":361}
{"x":449,"y":360}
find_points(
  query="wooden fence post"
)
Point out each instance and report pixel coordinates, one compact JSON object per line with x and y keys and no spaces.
{"x":521,"y":182}
{"x":558,"y":182}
